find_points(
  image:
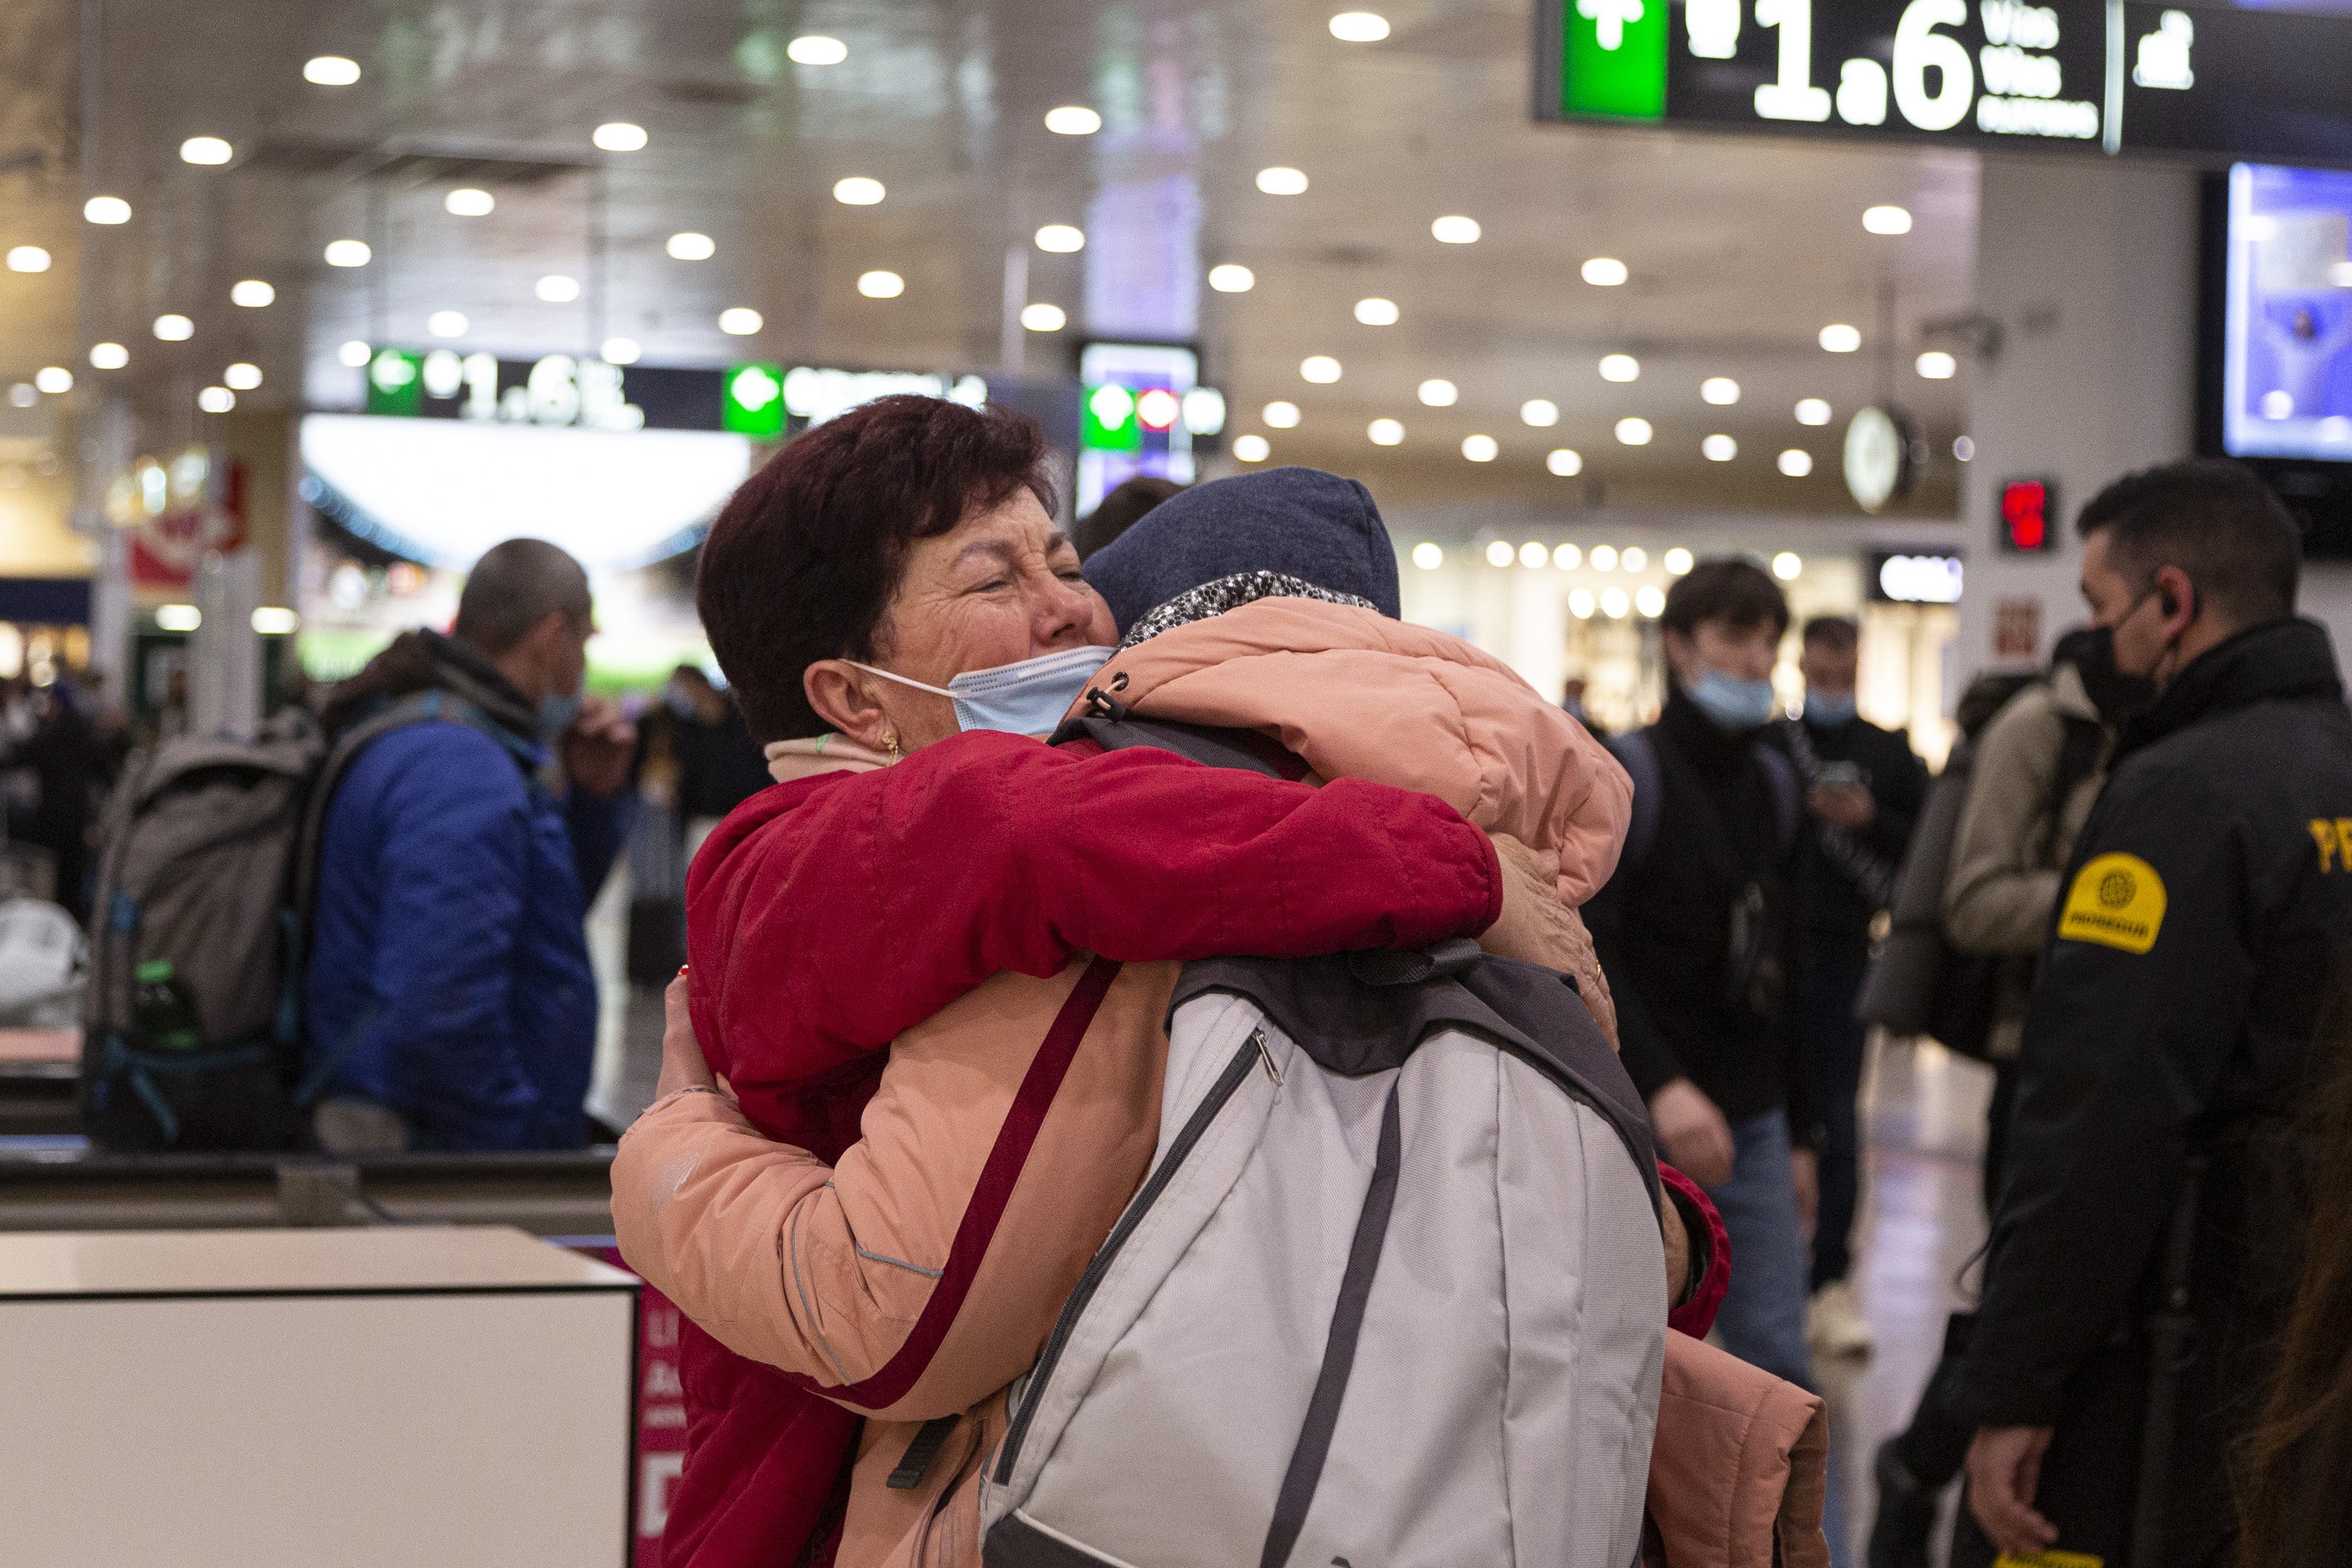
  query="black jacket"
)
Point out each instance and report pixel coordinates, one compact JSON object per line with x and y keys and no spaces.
{"x":1834,"y":911}
{"x":1664,"y":926}
{"x":2181,"y":986}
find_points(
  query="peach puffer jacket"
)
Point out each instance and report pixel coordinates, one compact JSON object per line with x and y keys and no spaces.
{"x":833,"y":1273}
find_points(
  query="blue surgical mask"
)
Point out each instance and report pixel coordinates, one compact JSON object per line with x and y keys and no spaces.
{"x":1829,"y":711}
{"x":1733,"y":703}
{"x":1028,"y":697}
{"x":555,"y":716}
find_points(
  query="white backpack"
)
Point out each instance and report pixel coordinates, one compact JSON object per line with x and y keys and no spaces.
{"x":1391,"y":1297}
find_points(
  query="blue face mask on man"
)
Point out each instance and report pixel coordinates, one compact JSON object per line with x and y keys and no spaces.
{"x":1829,"y":711}
{"x":1734,"y":703}
{"x":1025,"y":697}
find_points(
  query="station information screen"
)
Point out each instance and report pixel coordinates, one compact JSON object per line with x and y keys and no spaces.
{"x":2093,"y":76}
{"x":2287,"y":334}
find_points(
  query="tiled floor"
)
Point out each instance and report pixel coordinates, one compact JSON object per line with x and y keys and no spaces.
{"x":1922,"y":1111}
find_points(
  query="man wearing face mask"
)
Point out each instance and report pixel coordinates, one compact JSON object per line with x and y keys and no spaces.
{"x":1695,"y":934}
{"x":2146,"y":1237}
{"x":449,"y":1002}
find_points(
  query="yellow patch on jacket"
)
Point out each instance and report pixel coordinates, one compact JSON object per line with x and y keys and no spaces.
{"x":2117,"y":900}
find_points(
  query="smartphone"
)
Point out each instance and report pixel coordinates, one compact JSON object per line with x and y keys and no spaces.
{"x":1839,"y":775}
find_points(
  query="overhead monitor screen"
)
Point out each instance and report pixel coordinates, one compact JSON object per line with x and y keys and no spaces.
{"x":2287,"y":369}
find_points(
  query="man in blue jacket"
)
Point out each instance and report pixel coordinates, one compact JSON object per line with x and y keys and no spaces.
{"x":450,"y":1000}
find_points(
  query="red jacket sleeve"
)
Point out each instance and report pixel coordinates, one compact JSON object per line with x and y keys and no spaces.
{"x":880,"y":898}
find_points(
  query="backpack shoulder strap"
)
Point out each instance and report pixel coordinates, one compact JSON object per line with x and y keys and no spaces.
{"x":2079,"y":755}
{"x":1637,"y":754}
{"x":1788,"y":796}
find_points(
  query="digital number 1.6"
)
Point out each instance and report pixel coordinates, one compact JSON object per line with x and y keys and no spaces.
{"x":1793,"y":95}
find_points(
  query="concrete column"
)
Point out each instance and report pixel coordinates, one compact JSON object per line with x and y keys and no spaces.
{"x":2089,"y":269}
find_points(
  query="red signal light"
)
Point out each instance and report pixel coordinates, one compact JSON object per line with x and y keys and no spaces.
{"x":1158,"y":408}
{"x":2025,"y":508}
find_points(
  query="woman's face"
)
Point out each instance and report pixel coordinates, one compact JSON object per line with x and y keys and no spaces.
{"x":1001,"y":586}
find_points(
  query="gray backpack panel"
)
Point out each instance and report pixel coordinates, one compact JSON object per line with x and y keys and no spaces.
{"x":1391,"y":1295}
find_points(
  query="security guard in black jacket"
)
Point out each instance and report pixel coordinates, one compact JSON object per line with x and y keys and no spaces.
{"x":2145,"y":1241}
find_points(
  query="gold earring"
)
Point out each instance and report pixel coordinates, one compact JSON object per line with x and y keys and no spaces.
{"x":890,"y":744}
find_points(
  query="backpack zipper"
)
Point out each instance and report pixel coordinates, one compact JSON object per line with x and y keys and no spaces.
{"x":1253,"y":1050}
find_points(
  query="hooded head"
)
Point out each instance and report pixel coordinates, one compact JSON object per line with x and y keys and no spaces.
{"x":1301,"y":523}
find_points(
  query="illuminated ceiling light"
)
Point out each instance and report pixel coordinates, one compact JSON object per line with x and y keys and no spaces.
{"x":1498,"y":553}
{"x":355,"y":355}
{"x":739,"y":321}
{"x":1540,"y":412}
{"x":446,"y":323}
{"x":216,"y":400}
{"x":1359,"y":26}
{"x":1428,"y":556}
{"x":242,"y":376}
{"x":1387,"y":433}
{"x":348,"y":253}
{"x":1796,"y":462}
{"x":620,"y":351}
{"x":275,"y":620}
{"x":1565,"y":462}
{"x":205,"y":150}
{"x":1281,"y":180}
{"x":1615,"y":604}
{"x":1937,"y":365}
{"x":1061,"y":238}
{"x":27,"y":259}
{"x":1634,"y":431}
{"x":1604,"y":558}
{"x":1204,"y":410}
{"x":1073,"y":120}
{"x":1455,"y":229}
{"x":1651,"y":600}
{"x":688,"y":246}
{"x":619,"y":136}
{"x":1888,"y":219}
{"x":1964,"y":449}
{"x":1720,"y":390}
{"x":881,"y":284}
{"x":175,"y":329}
{"x":558,"y":288}
{"x":1437,"y":393}
{"x":1812,"y":411}
{"x":106,"y":210}
{"x":109,"y":356}
{"x":331,"y":70}
{"x":252,"y":293}
{"x":1718,"y":448}
{"x":1679,"y":561}
{"x":1481,"y":448}
{"x":1251,"y":448}
{"x":1788,"y":565}
{"x":1566,"y":557}
{"x":1320,"y":369}
{"x":1841,"y":339}
{"x":858,"y":191}
{"x":469,"y":201}
{"x":179,"y":618}
{"x":1604,"y":272}
{"x":1042,"y":317}
{"x":1231,"y":277}
{"x":1377,"y":312}
{"x":1533,"y":554}
{"x":1581,"y":603}
{"x":1634,"y":558}
{"x":816,"y":49}
{"x":1620,"y":367}
{"x":54,"y":379}
{"x":1281,"y":415}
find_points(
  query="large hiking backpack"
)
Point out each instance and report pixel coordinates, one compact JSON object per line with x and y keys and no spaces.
{"x":1918,"y":982}
{"x":209,"y":856}
{"x":1390,"y":1293}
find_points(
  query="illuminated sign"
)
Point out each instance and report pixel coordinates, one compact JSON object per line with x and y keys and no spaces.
{"x":2026,"y":509}
{"x":751,"y":400}
{"x":1916,"y":579}
{"x":2120,"y":76}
